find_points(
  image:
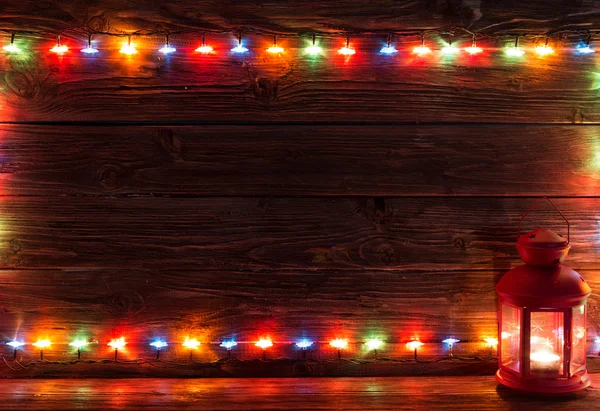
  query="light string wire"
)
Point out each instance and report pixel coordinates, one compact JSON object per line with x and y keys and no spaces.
{"x":87,"y":31}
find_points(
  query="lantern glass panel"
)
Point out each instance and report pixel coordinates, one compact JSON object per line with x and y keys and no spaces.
{"x":578,"y":339}
{"x":547,"y":343}
{"x":511,"y":338}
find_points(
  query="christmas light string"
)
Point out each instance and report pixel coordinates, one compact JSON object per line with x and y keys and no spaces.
{"x":584,"y":47}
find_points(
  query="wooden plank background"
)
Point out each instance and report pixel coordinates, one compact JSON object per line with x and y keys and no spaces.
{"x":247,"y":195}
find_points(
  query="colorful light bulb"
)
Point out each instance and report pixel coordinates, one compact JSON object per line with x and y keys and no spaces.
{"x":158,"y":344}
{"x":11,"y":48}
{"x":491,"y":342}
{"x":41,"y":344}
{"x":191,"y":343}
{"x":339,"y":343}
{"x":167,"y":49}
{"x":59,"y":48}
{"x":347,"y":50}
{"x":228,"y":345}
{"x":79,"y":344}
{"x":117,"y":343}
{"x":422,"y":50}
{"x":414,"y":345}
{"x":313,"y":49}
{"x":275,"y":49}
{"x":89,"y":49}
{"x":264,"y":343}
{"x":128,"y":48}
{"x":545,"y":49}
{"x":473,"y":49}
{"x":388,"y":48}
{"x":450,"y":50}
{"x":304,"y":344}
{"x":586,"y":49}
{"x":204,"y":48}
{"x":450,"y":341}
{"x":515,"y":51}
{"x":239,"y":48}
{"x":374,"y":344}
{"x":15,"y":344}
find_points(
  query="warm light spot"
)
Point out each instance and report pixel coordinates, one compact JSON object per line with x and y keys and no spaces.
{"x":264,"y":343}
{"x":421,"y":50}
{"x":79,"y":344}
{"x":450,"y":341}
{"x":347,"y":51}
{"x":204,"y":49}
{"x":41,"y":344}
{"x":118,"y":343}
{"x":491,"y":342}
{"x":506,"y":335}
{"x":59,"y":49}
{"x":339,"y":343}
{"x":304,"y":344}
{"x":579,"y":332}
{"x":413,"y":345}
{"x":128,"y":49}
{"x":15,"y":344}
{"x":228,"y":344}
{"x":275,"y":49}
{"x":473,"y":50}
{"x":158,"y":344}
{"x":544,"y":50}
{"x":191,"y":343}
{"x":544,"y":357}
{"x":11,"y":48}
{"x":374,"y":344}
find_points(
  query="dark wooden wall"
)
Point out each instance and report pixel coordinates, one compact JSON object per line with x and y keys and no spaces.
{"x":246,"y":195}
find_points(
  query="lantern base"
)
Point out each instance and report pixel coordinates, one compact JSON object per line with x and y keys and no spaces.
{"x":577,"y":382}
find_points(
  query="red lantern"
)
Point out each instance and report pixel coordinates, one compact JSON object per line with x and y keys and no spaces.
{"x":541,"y":317}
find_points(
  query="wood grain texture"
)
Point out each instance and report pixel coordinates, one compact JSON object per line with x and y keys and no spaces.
{"x":431,"y":393}
{"x":257,"y":87}
{"x":370,"y":161}
{"x":282,"y":233}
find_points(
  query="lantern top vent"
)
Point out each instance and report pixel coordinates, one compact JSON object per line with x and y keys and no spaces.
{"x":543,"y":247}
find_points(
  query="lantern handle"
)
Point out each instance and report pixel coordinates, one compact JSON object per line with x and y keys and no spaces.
{"x":555,"y":207}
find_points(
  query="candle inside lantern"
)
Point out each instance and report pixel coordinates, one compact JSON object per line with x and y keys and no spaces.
{"x":544,"y":361}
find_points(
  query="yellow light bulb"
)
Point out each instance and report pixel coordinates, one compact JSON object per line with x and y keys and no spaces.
{"x":421,"y":50}
{"x":544,"y":50}
{"x":192,"y":343}
{"x":339,"y":343}
{"x":491,"y":342}
{"x":118,"y":343}
{"x":413,"y":345}
{"x":41,"y":344}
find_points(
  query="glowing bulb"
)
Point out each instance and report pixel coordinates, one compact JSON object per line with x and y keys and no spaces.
{"x":11,"y":48}
{"x":304,"y":344}
{"x":192,"y":343}
{"x":491,"y":342}
{"x":339,"y":343}
{"x":89,"y":50}
{"x":421,"y":50}
{"x":450,"y":49}
{"x":264,"y":343}
{"x":388,"y":50}
{"x":514,"y":52}
{"x":374,"y":344}
{"x":15,"y":344}
{"x":59,"y":48}
{"x":118,"y":343}
{"x":473,"y":50}
{"x":347,"y":51}
{"x":166,"y":49}
{"x":597,"y":340}
{"x":585,"y":50}
{"x":204,"y":49}
{"x":544,"y":357}
{"x":450,"y":341}
{"x":79,"y":344}
{"x":41,"y":344}
{"x":413,"y":345}
{"x":158,"y":344}
{"x":228,"y":344}
{"x":544,"y":50}
{"x":275,"y":49}
{"x":128,"y":49}
{"x":239,"y":49}
{"x":314,"y":50}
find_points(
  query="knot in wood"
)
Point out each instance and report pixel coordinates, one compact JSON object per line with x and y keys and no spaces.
{"x":98,"y":23}
{"x":265,"y":90}
{"x":21,"y":84}
{"x":109,"y":176}
{"x":124,"y":303}
{"x":459,"y":243}
{"x":385,"y":253}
